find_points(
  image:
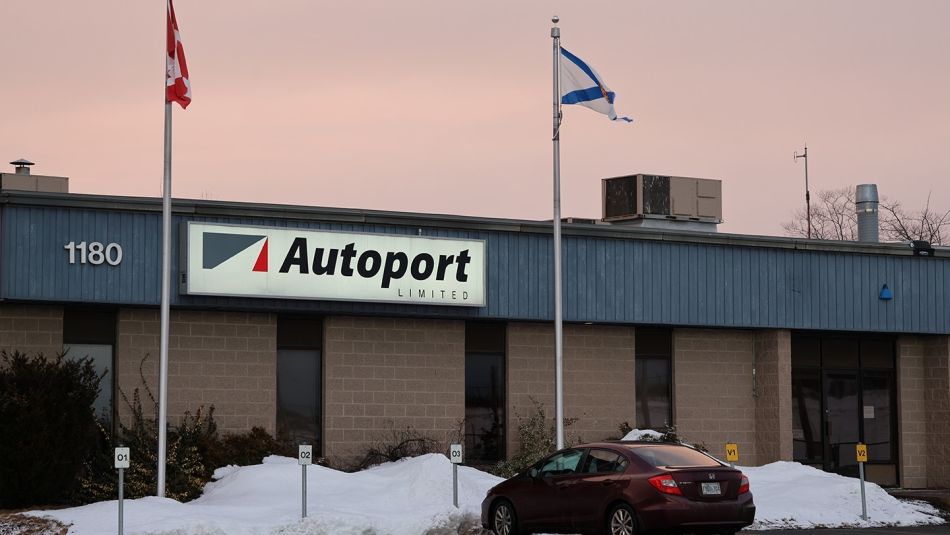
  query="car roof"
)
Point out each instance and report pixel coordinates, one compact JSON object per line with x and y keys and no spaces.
{"x":629,"y":444}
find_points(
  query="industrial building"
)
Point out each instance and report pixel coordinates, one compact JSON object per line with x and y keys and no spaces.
{"x":336,"y":326}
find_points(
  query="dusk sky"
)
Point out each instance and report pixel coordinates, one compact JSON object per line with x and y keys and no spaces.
{"x":445,"y":107}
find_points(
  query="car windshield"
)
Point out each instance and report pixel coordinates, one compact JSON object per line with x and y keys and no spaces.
{"x":670,"y":455}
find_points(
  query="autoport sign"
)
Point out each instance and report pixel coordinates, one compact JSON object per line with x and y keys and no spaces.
{"x":308,"y":264}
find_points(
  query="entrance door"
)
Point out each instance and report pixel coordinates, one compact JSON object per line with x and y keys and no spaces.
{"x":842,"y":421}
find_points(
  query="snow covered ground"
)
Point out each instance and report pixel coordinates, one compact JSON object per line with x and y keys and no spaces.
{"x":414,"y":497}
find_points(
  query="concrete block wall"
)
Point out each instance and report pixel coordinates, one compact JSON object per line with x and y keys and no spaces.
{"x":599,"y":381}
{"x":224,"y":359}
{"x":937,"y":401}
{"x":773,"y":402}
{"x":712,"y":393}
{"x":911,"y":405}
{"x":384,"y":374}
{"x":31,"y":328}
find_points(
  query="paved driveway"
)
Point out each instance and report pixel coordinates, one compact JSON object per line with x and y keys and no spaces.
{"x":943,"y":529}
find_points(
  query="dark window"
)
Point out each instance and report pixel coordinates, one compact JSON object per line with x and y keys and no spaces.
{"x":601,"y":461}
{"x":485,"y":392}
{"x":877,"y":400}
{"x":91,"y":334}
{"x":673,"y":456}
{"x":806,"y":351}
{"x":562,"y":463}
{"x":877,"y":354}
{"x":806,"y":416}
{"x":654,"y":378}
{"x":839,"y":353}
{"x":300,"y":380}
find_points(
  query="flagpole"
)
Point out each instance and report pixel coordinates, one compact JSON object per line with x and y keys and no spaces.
{"x":166,"y":283}
{"x":558,"y":328}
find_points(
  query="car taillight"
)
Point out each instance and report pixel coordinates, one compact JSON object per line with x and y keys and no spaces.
{"x":665,"y":484}
{"x":744,"y":485}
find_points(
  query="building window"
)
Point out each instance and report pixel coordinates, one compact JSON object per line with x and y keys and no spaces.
{"x":91,"y":334}
{"x":485,"y":398}
{"x":654,"y":379}
{"x":300,"y":380}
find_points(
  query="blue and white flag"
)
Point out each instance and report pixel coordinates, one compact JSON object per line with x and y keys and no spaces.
{"x":580,"y":84}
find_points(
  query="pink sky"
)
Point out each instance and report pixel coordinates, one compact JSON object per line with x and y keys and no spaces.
{"x":445,"y":107}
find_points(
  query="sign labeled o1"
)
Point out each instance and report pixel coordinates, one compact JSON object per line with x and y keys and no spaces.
{"x":305,"y":454}
{"x":455,"y":454}
{"x":122,"y":457}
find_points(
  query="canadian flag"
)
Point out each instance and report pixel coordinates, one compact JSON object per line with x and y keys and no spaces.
{"x":177,"y":85}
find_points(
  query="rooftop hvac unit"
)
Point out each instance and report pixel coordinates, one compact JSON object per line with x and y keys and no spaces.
{"x":662,"y":197}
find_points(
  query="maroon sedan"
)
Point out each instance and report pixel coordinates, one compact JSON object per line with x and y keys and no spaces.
{"x":621,"y":488}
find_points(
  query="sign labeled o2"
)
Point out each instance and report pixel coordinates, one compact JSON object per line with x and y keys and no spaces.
{"x":305,"y":454}
{"x":95,"y":253}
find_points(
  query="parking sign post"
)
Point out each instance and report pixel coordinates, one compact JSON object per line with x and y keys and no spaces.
{"x":121,"y":463}
{"x":862,"y":455}
{"x":455,"y":455}
{"x":304,"y":457}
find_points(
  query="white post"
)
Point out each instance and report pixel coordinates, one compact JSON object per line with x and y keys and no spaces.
{"x":121,"y":462}
{"x":558,"y":328}
{"x":121,"y":497}
{"x":166,"y":291}
{"x":304,"y":458}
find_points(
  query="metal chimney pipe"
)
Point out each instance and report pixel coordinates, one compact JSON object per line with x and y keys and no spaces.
{"x":22,"y":166}
{"x":865,"y":204}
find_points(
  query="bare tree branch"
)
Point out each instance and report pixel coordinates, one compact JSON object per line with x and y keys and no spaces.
{"x":833,"y":217}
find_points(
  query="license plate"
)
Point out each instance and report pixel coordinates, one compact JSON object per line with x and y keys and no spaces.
{"x":711,"y":489}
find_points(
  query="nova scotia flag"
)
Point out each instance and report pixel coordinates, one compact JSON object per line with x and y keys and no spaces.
{"x":580,"y":84}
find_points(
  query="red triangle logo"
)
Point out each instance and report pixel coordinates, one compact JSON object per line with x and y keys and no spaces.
{"x":261,"y":264}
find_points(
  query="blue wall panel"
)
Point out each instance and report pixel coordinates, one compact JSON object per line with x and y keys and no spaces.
{"x":606,"y":279}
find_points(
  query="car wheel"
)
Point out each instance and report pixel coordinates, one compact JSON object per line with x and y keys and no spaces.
{"x":621,"y":521}
{"x":504,"y":521}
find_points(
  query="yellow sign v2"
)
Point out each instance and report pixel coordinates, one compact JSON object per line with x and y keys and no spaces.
{"x":862,"y":453}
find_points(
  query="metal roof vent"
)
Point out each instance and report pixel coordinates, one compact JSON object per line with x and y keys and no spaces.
{"x":865,"y":204}
{"x":22,"y":166}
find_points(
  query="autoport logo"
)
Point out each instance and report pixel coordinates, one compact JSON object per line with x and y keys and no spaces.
{"x":309,"y":264}
{"x":218,"y":248}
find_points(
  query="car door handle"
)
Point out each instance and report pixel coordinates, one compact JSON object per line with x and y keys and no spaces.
{"x":608,"y":482}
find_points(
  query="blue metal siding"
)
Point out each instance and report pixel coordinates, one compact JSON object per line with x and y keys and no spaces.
{"x":606,"y":280}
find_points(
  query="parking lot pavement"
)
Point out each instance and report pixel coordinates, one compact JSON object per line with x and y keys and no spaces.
{"x":943,"y":529}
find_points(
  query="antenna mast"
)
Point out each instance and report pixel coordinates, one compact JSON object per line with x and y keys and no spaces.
{"x":807,"y":193}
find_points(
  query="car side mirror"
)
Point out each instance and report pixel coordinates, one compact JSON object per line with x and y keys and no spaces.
{"x":533,"y":472}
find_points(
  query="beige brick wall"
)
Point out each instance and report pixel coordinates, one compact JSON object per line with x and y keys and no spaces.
{"x":31,"y":328}
{"x":599,"y":382}
{"x":224,"y":359}
{"x":712,"y":389}
{"x":937,"y":400}
{"x":382,"y":374}
{"x":911,"y":401}
{"x":773,"y":404}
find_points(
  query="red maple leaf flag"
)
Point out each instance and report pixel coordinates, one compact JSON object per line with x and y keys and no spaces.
{"x":177,"y":85}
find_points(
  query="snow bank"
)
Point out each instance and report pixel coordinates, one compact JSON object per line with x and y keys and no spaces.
{"x":408,"y":497}
{"x":643,"y":434}
{"x":792,"y":495}
{"x":413,"y":496}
